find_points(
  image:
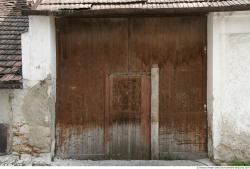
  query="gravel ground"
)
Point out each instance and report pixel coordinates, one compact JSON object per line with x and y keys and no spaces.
{"x":27,"y":160}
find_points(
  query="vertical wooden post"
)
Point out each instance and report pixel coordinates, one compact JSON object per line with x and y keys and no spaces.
{"x":155,"y":112}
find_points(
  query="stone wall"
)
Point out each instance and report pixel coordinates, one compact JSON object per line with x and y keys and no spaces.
{"x":229,"y":85}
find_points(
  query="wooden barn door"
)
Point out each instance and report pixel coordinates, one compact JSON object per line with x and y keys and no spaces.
{"x":103,"y":87}
{"x":128,"y":117}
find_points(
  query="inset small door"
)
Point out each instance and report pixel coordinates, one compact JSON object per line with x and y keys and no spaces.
{"x":128,"y":116}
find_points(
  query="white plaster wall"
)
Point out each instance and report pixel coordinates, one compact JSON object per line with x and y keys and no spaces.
{"x":229,"y":85}
{"x":33,"y":106}
{"x":38,"y":47}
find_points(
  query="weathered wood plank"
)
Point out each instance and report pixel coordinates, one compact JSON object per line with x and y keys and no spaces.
{"x":90,"y":50}
{"x":129,"y":116}
{"x":176,"y":44}
{"x":85,"y":59}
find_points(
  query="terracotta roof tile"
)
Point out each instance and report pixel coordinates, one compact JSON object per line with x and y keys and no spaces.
{"x":89,"y":1}
{"x":63,"y":6}
{"x":4,"y":70}
{"x":10,"y":77}
{"x":117,"y":6}
{"x":12,"y":25}
{"x":53,"y":5}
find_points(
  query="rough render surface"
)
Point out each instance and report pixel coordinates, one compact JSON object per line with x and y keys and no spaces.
{"x":31,"y":120}
{"x":228,"y":85}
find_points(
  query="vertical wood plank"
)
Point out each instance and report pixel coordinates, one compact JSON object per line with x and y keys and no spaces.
{"x":107,"y":120}
{"x":176,"y":44}
{"x":155,"y":112}
{"x":129,"y":116}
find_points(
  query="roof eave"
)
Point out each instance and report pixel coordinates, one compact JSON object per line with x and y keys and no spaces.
{"x":135,"y":11}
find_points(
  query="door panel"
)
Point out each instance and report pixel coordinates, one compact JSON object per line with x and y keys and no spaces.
{"x":129,"y":117}
{"x":177,"y":45}
{"x":88,"y":50}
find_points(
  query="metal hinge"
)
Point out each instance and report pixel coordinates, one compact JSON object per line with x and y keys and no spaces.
{"x":205,"y":108}
{"x":205,"y":49}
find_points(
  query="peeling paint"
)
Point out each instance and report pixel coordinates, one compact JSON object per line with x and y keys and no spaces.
{"x":34,"y":135}
{"x":35,"y":104}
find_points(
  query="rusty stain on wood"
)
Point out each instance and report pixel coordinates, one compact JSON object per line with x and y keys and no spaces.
{"x":176,"y":44}
{"x":84,"y":59}
{"x":129,"y":117}
{"x":103,"y":66}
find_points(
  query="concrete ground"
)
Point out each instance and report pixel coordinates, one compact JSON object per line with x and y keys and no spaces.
{"x":201,"y":162}
{"x":27,"y":160}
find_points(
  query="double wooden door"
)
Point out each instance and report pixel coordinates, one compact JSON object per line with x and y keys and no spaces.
{"x":104,"y":88}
